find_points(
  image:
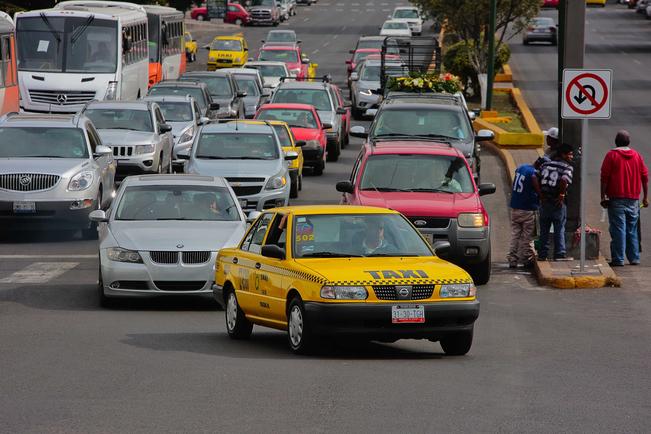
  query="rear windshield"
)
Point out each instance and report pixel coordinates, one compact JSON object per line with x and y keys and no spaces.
{"x":449,"y":123}
{"x":176,"y":111}
{"x":195,"y":92}
{"x":279,"y":56}
{"x":121,"y":119}
{"x":217,"y":86}
{"x":42,"y":142}
{"x":294,"y":118}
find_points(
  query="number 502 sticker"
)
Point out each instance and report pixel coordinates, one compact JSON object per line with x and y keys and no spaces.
{"x":305,"y":237}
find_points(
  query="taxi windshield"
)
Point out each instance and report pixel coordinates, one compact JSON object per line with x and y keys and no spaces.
{"x":294,"y":118}
{"x":226,"y":45}
{"x":121,"y":119}
{"x":356,"y":235}
{"x":42,"y":142}
{"x":236,"y":146}
{"x":279,"y":56}
{"x":171,"y":202}
{"x":176,"y":111}
{"x":283,"y":135}
{"x":449,"y":124}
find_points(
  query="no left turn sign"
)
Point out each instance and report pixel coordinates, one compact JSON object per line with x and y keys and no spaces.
{"x":587,"y":93}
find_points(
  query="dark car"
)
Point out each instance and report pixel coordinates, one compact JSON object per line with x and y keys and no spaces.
{"x":196,"y":89}
{"x":541,"y":29}
{"x":223,"y":91}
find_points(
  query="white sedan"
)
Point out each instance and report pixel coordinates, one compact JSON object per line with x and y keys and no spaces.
{"x":395,"y":28}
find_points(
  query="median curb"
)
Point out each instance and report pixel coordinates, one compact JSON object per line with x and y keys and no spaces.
{"x":564,"y":275}
{"x":506,"y":76}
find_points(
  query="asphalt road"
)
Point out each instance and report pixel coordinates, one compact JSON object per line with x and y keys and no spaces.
{"x":543,"y":360}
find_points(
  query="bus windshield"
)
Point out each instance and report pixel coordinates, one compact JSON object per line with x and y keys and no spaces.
{"x":67,"y":44}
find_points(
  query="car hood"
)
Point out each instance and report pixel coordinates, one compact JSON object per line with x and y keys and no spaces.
{"x":168,"y":235}
{"x":368,"y":84}
{"x":306,"y":133}
{"x":54,"y":166}
{"x":126,"y":137}
{"x":235,"y":168}
{"x":273,"y":82}
{"x":385,"y":271}
{"x":422,"y":204}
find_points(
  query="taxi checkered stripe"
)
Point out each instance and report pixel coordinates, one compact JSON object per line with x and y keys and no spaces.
{"x":397,"y":282}
{"x":293,"y":273}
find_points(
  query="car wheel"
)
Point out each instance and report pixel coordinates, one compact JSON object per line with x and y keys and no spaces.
{"x":201,"y":17}
{"x":481,"y":273}
{"x":457,"y":344}
{"x":300,"y":340}
{"x":238,"y":22}
{"x":318,"y":170}
{"x":237,"y":326}
{"x":334,"y":151}
{"x":357,"y":113}
{"x":525,"y":42}
{"x":293,"y":189}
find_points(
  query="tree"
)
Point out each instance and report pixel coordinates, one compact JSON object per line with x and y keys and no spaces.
{"x":468,"y":20}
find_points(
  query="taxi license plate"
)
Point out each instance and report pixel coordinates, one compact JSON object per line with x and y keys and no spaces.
{"x":405,"y":314}
{"x":24,"y":207}
{"x":243,"y":203}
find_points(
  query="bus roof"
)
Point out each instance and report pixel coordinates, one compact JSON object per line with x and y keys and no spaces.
{"x":6,"y":23}
{"x":162,"y":10}
{"x":120,"y":10}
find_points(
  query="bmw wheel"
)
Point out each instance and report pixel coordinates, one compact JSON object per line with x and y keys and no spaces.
{"x":299,"y":337}
{"x":237,"y":326}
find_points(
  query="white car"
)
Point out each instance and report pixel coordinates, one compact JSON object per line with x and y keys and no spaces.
{"x":162,"y":235}
{"x":395,"y":28}
{"x":411,"y":16}
{"x":271,"y":72}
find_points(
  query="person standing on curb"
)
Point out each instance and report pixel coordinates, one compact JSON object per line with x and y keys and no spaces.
{"x":525,"y":197}
{"x":623,"y":177}
{"x":555,"y":178}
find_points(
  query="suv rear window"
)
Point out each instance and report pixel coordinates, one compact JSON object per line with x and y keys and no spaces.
{"x":422,"y":122}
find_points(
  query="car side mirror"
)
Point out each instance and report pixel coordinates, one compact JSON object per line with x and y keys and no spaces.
{"x":165,"y":128}
{"x":441,"y":247}
{"x":183,"y":154}
{"x":291,"y":155}
{"x":345,"y":187}
{"x":359,"y":131}
{"x":472,"y":115}
{"x":99,"y":216}
{"x":273,"y":251}
{"x":483,"y":135}
{"x":486,"y":188}
{"x":298,"y":41}
{"x":253,"y":215}
{"x":305,"y":60}
{"x":301,"y":143}
{"x":266,"y":92}
{"x":241,"y":94}
{"x":326,"y":126}
{"x":354,"y":76}
{"x":214,"y":106}
{"x":102,"y":150}
{"x":348,"y":62}
{"x":203,"y":120}
{"x":341,"y":111}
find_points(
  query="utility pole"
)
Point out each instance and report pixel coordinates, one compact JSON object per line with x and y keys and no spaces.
{"x":571,"y":52}
{"x":491,"y":54}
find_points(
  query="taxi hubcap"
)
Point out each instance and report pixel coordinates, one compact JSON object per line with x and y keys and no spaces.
{"x":295,"y":326}
{"x":231,"y":312}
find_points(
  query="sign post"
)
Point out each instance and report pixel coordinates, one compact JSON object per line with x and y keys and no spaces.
{"x":586,"y":95}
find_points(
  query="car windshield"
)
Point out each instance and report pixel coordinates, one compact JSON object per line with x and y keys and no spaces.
{"x":237,"y":146}
{"x":395,"y":25}
{"x":361,"y":55}
{"x":43,"y":142}
{"x":414,"y":172}
{"x":543,"y":22}
{"x":226,"y":45}
{"x":195,"y":92}
{"x":450,"y":124}
{"x":67,"y":44}
{"x":392,"y":46}
{"x":405,"y":13}
{"x":346,"y":235}
{"x":176,"y":202}
{"x":270,"y":70}
{"x":217,"y":86}
{"x":281,"y":37}
{"x":247,"y":84}
{"x":283,"y":135}
{"x":287,"y":56}
{"x":317,"y":97}
{"x":294,"y":118}
{"x":121,"y":119}
{"x":176,"y":111}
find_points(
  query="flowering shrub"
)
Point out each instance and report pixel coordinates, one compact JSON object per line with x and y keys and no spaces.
{"x":418,"y":82}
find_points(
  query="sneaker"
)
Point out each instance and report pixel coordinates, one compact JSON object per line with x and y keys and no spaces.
{"x":615,"y":264}
{"x":563,"y":257}
{"x":635,"y":263}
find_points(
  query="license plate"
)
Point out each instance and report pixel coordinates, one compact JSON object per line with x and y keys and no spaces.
{"x":406,"y":314}
{"x":24,"y":207}
{"x":243,"y":203}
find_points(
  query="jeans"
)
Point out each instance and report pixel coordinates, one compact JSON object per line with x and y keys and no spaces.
{"x":523,"y":224}
{"x":623,"y":217}
{"x":551,"y":214}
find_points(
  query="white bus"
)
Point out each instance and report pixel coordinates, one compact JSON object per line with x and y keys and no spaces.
{"x":80,"y":51}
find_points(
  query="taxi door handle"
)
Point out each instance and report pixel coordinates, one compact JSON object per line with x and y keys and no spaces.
{"x":257,"y":265}
{"x":234,"y":260}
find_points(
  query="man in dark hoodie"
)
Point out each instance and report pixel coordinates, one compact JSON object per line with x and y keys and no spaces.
{"x":623,"y":176}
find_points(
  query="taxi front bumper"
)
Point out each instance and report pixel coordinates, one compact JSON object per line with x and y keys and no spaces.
{"x":373,"y":321}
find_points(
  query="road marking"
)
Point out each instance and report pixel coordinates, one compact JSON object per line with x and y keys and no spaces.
{"x":386,"y":10}
{"x":325,"y":44}
{"x":306,"y":19}
{"x":315,"y":51}
{"x":335,"y":36}
{"x":48,"y":256}
{"x":637,"y":61}
{"x":40,"y":272}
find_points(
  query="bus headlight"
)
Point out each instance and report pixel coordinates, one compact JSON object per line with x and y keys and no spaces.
{"x":111,"y":90}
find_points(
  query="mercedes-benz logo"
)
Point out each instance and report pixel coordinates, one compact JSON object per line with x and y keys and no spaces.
{"x":62,"y":98}
{"x":420,"y":222}
{"x":403,"y":292}
{"x":25,"y":180}
{"x":179,"y":246}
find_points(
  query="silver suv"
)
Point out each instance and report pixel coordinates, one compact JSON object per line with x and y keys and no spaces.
{"x":249,"y":155}
{"x":53,"y":169}
{"x":136,"y":131}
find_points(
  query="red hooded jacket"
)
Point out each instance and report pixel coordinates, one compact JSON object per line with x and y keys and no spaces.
{"x":624,"y":172}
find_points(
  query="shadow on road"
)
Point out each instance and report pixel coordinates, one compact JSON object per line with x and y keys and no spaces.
{"x":44,"y":235}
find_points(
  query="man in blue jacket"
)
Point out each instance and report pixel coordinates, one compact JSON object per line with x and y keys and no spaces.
{"x":525,"y":199}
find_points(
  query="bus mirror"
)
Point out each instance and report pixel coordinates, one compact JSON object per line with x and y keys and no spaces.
{"x":126,"y":42}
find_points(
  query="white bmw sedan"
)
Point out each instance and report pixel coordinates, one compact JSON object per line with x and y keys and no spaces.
{"x":162,"y":234}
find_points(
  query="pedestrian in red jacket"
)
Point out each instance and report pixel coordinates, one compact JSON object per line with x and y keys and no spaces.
{"x":623,"y":177}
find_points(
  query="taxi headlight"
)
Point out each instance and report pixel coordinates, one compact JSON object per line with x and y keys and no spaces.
{"x":144,"y":149}
{"x":276,"y":182}
{"x":187,"y":135}
{"x":237,"y":60}
{"x":123,"y":255}
{"x":81,"y":181}
{"x":471,"y":220}
{"x":458,"y":290}
{"x":344,"y":292}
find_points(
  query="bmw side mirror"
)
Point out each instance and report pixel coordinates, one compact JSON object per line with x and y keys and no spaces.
{"x":99,"y":216}
{"x":441,"y":247}
{"x":241,"y":94}
{"x":273,"y":251}
{"x":483,"y":135}
{"x":102,"y":150}
{"x":291,"y":155}
{"x":345,"y":187}
{"x":486,"y":188}
{"x":214,"y":106}
{"x":358,"y":131}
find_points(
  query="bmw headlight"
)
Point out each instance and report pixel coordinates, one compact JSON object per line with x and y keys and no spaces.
{"x":187,"y":135}
{"x":276,"y":182}
{"x":81,"y":181}
{"x":123,"y":255}
{"x":366,"y":92}
{"x":458,"y":290}
{"x":144,"y":149}
{"x":344,"y":292}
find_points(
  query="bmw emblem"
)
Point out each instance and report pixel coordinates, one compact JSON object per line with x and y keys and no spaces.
{"x":179,"y":246}
{"x":420,"y":223}
{"x":25,"y":180}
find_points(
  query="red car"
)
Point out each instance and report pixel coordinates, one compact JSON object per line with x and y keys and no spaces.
{"x":345,"y":118}
{"x":292,"y":55}
{"x":550,"y":3}
{"x":432,"y":185}
{"x":236,"y":14}
{"x":199,"y":13}
{"x":359,"y":55}
{"x":307,"y":128}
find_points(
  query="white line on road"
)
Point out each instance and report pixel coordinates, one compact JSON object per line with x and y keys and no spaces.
{"x":315,"y":51}
{"x":325,"y":44}
{"x":335,"y":36}
{"x":48,"y":256}
{"x":637,"y":61}
{"x":306,"y":19}
{"x":40,"y":272}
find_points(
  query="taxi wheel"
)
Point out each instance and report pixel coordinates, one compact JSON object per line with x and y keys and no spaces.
{"x":457,"y":344}
{"x":298,"y":333}
{"x":334,"y":151}
{"x":237,"y":326}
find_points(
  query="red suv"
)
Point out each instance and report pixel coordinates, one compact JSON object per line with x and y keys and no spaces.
{"x":432,"y":185}
{"x":307,"y":128}
{"x":297,"y":64}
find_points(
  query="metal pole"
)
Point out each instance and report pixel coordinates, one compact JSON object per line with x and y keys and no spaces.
{"x":491,"y":54}
{"x":561,"y":62}
{"x":584,"y":176}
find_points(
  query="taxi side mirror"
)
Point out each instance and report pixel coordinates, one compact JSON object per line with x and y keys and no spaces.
{"x":273,"y":251}
{"x":441,"y":247}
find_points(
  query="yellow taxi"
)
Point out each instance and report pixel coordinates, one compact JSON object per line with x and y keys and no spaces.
{"x":344,"y":270}
{"x":288,"y":143}
{"x":227,"y":52}
{"x":190,"y":47}
{"x":601,"y":3}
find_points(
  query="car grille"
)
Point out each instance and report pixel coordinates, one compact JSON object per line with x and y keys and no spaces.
{"x":180,"y":285}
{"x":28,"y":181}
{"x":161,"y":257}
{"x":261,"y":15}
{"x":195,"y":257}
{"x":231,"y":179}
{"x":61,"y":97}
{"x":224,"y":60}
{"x":418,"y":292}
{"x":122,"y":151}
{"x":191,"y":257}
{"x":247,"y":190}
{"x":430,"y":222}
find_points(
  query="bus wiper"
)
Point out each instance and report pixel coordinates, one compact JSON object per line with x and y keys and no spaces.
{"x":50,"y":28}
{"x":80,"y":30}
{"x":330,"y":255}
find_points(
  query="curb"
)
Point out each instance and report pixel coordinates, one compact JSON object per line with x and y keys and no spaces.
{"x":506,"y":76}
{"x":607,"y":278}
